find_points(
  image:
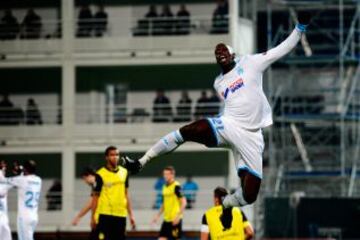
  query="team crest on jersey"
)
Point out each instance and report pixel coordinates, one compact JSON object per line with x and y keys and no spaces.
{"x":233,"y":87}
{"x":240,"y":71}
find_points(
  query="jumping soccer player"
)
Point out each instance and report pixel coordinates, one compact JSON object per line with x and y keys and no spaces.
{"x":246,"y":112}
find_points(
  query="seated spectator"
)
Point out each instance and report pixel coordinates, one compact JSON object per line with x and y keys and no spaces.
{"x":214,"y":104}
{"x":32,"y":115}
{"x":201,"y":109}
{"x":53,"y":196}
{"x":183,"y":108}
{"x":100,"y":22}
{"x":9,"y":26}
{"x":6,"y":110}
{"x":85,"y":19}
{"x":190,"y":189}
{"x":152,"y":12}
{"x":165,"y":24}
{"x":158,"y":188}
{"x":162,"y":107}
{"x":145,"y":26}
{"x":220,"y":19}
{"x":183,"y":20}
{"x":31,"y":25}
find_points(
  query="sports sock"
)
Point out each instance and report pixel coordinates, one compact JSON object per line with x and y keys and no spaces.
{"x":165,"y":145}
{"x":234,"y":200}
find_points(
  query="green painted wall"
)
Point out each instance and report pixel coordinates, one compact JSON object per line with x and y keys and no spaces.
{"x":30,"y":80}
{"x":48,"y":165}
{"x":195,"y":163}
{"x":168,"y":77}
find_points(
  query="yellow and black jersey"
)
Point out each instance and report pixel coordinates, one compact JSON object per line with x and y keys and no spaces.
{"x":172,"y":195}
{"x":226,"y":224}
{"x":111,"y":187}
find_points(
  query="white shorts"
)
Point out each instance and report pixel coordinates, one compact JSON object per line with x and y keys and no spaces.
{"x":246,"y":145}
{"x":26,"y":228}
{"x":5,"y":232}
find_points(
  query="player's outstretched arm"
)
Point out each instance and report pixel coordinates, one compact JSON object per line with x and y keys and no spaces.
{"x":264,"y":60}
{"x":83,"y":212}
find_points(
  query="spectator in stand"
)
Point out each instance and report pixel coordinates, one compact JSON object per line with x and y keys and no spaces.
{"x":190,"y":189}
{"x":220,"y":20}
{"x":162,"y":107}
{"x":85,"y":23}
{"x":33,"y":115}
{"x":158,"y":188}
{"x":214,"y":104}
{"x":184,"y":108}
{"x":100,"y":21}
{"x":6,"y":110}
{"x":202,"y":107}
{"x":146,"y":25}
{"x":31,"y":25}
{"x":9,"y":26}
{"x":183,"y":20}
{"x":167,"y":21}
{"x":152,"y":12}
{"x":53,"y":196}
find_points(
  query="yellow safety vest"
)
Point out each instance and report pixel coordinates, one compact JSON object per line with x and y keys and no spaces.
{"x":112,"y":199}
{"x":171,"y":201}
{"x":217,"y":232}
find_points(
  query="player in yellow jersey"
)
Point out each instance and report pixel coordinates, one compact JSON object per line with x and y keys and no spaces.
{"x":111,"y":201}
{"x":173,"y":207}
{"x":225,"y":224}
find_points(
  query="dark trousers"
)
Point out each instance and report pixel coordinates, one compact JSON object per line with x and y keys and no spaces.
{"x":111,"y":228}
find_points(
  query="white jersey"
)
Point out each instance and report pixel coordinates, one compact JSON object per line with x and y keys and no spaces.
{"x":29,"y":188}
{"x":241,"y":88}
{"x":4,"y":188}
{"x":5,"y":232}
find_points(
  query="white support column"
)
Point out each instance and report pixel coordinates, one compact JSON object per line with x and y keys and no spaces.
{"x":234,"y":23}
{"x":68,"y":103}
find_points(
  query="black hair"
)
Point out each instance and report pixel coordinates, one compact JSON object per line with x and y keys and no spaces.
{"x":108,"y":149}
{"x":30,"y":166}
{"x":220,"y":193}
{"x":87,"y":171}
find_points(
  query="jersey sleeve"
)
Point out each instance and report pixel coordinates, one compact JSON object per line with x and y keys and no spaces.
{"x":15,"y":181}
{"x":204,"y":225}
{"x":96,"y":188}
{"x":262,"y":61}
{"x":178,"y":192}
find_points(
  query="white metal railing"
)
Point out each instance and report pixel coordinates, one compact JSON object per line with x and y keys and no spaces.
{"x":45,"y":115}
{"x":309,"y":104}
{"x":159,"y":26}
{"x":123,"y":113}
{"x":45,"y":29}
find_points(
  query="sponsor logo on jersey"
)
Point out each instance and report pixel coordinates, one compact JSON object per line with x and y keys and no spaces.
{"x":233,"y":87}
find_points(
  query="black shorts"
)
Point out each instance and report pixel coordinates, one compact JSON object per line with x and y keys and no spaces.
{"x":111,"y":228}
{"x":171,"y":232}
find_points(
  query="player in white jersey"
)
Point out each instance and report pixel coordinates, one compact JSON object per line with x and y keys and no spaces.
{"x":246,"y":112}
{"x":29,"y":188}
{"x":5,"y":232}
